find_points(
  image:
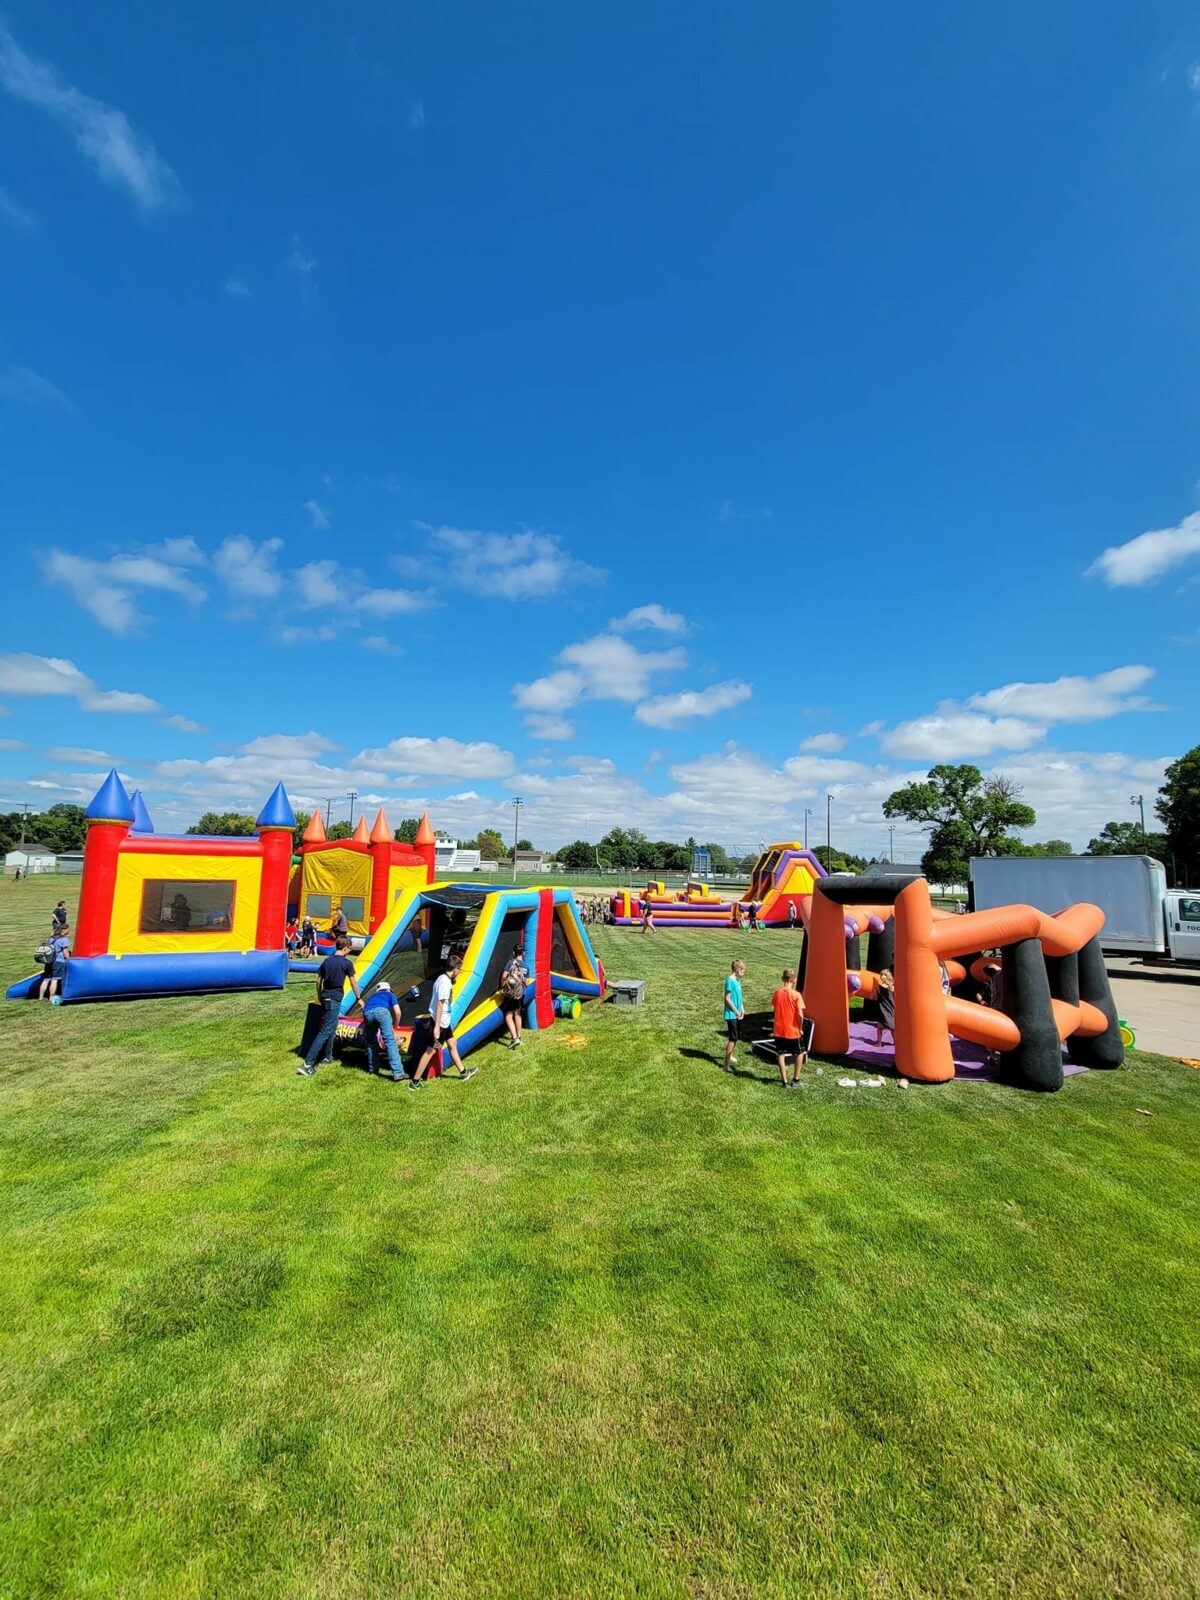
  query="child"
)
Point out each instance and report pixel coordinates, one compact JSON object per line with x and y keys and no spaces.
{"x":734,"y":1011}
{"x":789,"y":1019}
{"x":886,"y":1001}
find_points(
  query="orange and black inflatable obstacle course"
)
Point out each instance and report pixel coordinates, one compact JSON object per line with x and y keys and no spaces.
{"x":1053,"y":988}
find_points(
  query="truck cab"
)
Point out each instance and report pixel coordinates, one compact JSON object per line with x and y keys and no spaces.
{"x":1181,"y":909}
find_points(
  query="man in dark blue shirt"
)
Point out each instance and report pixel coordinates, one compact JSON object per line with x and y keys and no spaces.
{"x":332,"y":976}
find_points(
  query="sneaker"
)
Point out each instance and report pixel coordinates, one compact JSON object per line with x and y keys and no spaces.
{"x":732,"y":1062}
{"x":468,"y":1072}
{"x":306,"y":1071}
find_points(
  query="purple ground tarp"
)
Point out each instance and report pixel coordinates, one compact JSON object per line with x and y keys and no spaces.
{"x":970,"y":1060}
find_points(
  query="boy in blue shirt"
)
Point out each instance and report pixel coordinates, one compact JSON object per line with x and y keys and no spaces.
{"x":735,"y":1010}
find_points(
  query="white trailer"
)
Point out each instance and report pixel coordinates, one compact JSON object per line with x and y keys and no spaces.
{"x":1141,"y":915}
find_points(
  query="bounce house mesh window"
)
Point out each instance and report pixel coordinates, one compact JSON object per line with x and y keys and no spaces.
{"x":354,"y":906}
{"x":562,"y":957}
{"x":318,"y":905}
{"x":170,"y":906}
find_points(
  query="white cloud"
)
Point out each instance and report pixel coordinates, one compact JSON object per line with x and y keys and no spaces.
{"x":824,"y":743}
{"x":416,"y":115}
{"x":22,"y":673}
{"x":303,"y":270}
{"x":443,"y":758}
{"x":247,"y":569}
{"x":16,"y":216}
{"x":542,"y":726}
{"x":382,"y":646}
{"x":951,"y":734}
{"x":105,"y":588}
{"x":13,"y":744}
{"x":183,"y":724}
{"x":614,"y":670}
{"x":319,"y":585}
{"x":508,"y":566}
{"x":121,"y":156}
{"x":238,"y":289}
{"x":651,"y":615}
{"x":1194,"y":78}
{"x":555,"y":692}
{"x":731,"y":511}
{"x":1139,"y":561}
{"x":29,"y":388}
{"x":390,"y":602}
{"x":1070,"y":699}
{"x":288,"y":746}
{"x":81,"y":755}
{"x":671,"y":710}
{"x":318,"y":514}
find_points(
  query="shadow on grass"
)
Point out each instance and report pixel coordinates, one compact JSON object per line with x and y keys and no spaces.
{"x":718,"y":1061}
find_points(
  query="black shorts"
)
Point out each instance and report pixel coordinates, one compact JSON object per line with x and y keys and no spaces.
{"x":788,"y":1047}
{"x":732,"y":1025}
{"x":509,"y":1006}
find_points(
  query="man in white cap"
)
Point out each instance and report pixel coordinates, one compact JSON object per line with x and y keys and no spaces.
{"x":381,"y":1018}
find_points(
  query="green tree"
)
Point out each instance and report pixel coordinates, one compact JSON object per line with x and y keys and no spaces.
{"x":970,"y":816}
{"x":719,"y":857}
{"x":303,"y":818}
{"x":1178,"y":809}
{"x":340,"y":830}
{"x":406,"y":833}
{"x":1127,"y":839}
{"x":490,"y":844}
{"x":834,"y":860}
{"x":1049,"y":847}
{"x":233,"y":824}
{"x":64,"y":827}
{"x":578,"y":856}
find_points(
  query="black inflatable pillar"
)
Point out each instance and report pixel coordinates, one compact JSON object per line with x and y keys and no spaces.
{"x":1036,"y":1063}
{"x":1105,"y":1050}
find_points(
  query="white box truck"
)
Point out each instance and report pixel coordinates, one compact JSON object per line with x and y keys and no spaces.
{"x":1141,"y":915}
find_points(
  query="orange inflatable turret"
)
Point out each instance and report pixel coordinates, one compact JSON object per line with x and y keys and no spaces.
{"x":425,"y":844}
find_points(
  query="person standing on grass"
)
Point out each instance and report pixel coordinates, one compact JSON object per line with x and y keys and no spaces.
{"x":59,"y":916}
{"x":332,"y":976}
{"x":308,"y":938}
{"x":788,"y":1006}
{"x":735,"y":1010}
{"x":381,"y":1018}
{"x":338,"y":926}
{"x":648,"y":917}
{"x":791,"y":914}
{"x":443,"y":1027}
{"x":56,"y":968}
{"x":512,"y":995}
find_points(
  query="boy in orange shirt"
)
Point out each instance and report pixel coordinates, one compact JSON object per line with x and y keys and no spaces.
{"x":789,"y":1019}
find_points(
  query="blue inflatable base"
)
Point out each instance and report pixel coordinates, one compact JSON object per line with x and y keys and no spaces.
{"x":145,"y":977}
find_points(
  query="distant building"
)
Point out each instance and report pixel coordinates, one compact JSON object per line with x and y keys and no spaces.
{"x":450,"y":857}
{"x":533,"y":861}
{"x":30,"y":857}
{"x":70,"y":861}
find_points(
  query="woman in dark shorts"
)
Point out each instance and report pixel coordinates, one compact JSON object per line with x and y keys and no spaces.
{"x":512,"y":996}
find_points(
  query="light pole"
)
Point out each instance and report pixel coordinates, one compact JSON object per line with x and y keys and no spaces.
{"x":352,"y":796}
{"x":828,"y":821}
{"x":891,"y":844}
{"x":517,"y":803}
{"x":1139,"y":800}
{"x":807,"y":814}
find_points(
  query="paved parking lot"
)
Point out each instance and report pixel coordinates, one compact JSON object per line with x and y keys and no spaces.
{"x":1161,"y":1005}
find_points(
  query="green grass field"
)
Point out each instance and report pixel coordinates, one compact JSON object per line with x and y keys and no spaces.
{"x":602,"y":1322}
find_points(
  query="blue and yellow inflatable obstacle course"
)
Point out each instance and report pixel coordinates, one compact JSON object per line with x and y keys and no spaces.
{"x":484,"y":928}
{"x":161,"y":914}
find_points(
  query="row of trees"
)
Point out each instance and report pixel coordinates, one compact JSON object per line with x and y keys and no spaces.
{"x":970,"y":815}
{"x":60,"y":827}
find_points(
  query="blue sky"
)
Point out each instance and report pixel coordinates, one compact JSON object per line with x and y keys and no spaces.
{"x":672,"y":416}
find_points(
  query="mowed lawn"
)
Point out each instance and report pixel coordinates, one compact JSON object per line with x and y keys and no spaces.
{"x":603,"y":1321}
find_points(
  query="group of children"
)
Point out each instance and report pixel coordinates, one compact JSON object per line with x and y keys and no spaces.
{"x":787,"y":1005}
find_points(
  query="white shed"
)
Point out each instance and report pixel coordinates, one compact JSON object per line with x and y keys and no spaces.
{"x":30,"y":857}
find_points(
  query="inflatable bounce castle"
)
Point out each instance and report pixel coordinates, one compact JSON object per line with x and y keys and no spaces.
{"x":175,"y":914}
{"x":363,"y":876}
{"x":783,"y":877}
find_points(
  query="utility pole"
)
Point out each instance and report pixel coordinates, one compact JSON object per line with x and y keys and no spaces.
{"x":329,"y":799}
{"x":828,"y":821}
{"x":517,"y":803}
{"x":1139,"y":800}
{"x":891,"y":844}
{"x":807,"y":814}
{"x":352,"y":797}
